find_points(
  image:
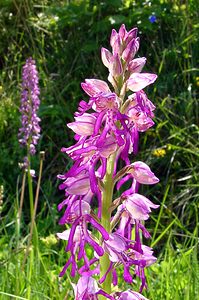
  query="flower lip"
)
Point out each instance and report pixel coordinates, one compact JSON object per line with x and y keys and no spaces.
{"x":86,"y":287}
{"x":131,"y":295}
{"x":114,"y":246}
{"x":81,"y":208}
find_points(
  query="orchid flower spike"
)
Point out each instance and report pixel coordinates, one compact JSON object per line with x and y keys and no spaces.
{"x":107,"y":129}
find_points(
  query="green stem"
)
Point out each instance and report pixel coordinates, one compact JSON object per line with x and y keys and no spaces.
{"x":17,"y":232}
{"x":107,"y":196}
{"x":31,"y":262}
{"x":33,"y":227}
{"x":30,"y":189}
{"x":21,"y":197}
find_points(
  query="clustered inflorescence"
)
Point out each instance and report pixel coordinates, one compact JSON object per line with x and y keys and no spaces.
{"x":29,"y":133}
{"x":107,"y":131}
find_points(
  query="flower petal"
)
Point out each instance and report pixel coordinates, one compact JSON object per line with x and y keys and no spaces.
{"x":106,"y":57}
{"x":142,"y":173}
{"x":115,"y":67}
{"x":139,"y":81}
{"x":136,"y":65}
{"x":94,"y":86}
{"x":130,"y":50}
{"x":131,"y":295}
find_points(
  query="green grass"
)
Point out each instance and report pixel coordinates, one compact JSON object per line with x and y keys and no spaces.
{"x":64,"y":37}
{"x":176,"y":275}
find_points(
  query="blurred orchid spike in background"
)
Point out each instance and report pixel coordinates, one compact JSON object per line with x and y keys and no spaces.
{"x":107,"y":129}
{"x":29,"y":133}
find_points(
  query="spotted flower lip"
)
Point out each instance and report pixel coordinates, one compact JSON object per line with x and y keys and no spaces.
{"x":79,"y":236}
{"x":87,"y":158}
{"x":104,"y":101}
{"x":140,"y":111}
{"x":140,"y":101}
{"x":74,"y":210}
{"x":139,"y":118}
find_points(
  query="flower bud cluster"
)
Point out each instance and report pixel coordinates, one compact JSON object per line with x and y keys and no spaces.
{"x":29,"y":133}
{"x":109,"y":125}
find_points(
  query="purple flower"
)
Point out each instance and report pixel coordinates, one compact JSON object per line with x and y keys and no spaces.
{"x":142,"y":173}
{"x":138,"y":206}
{"x":130,"y":50}
{"x":115,"y":246}
{"x":138,"y":81}
{"x":130,"y":295}
{"x":106,"y":131}
{"x":78,"y":214}
{"x":136,"y":65}
{"x":129,"y":253}
{"x":83,"y":125}
{"x":88,"y":154}
{"x":87,"y":289}
{"x":79,"y":185}
{"x":95,"y":86}
{"x":29,"y":133}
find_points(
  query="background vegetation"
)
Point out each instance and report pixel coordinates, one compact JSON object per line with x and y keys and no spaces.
{"x":65,"y":37}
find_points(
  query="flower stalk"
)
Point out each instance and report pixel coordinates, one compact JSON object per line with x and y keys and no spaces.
{"x":33,"y":228}
{"x":107,"y":197}
{"x":30,"y":189}
{"x":29,"y":134}
{"x":22,"y":197}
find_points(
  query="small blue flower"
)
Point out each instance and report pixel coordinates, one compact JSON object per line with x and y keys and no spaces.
{"x":152,"y":18}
